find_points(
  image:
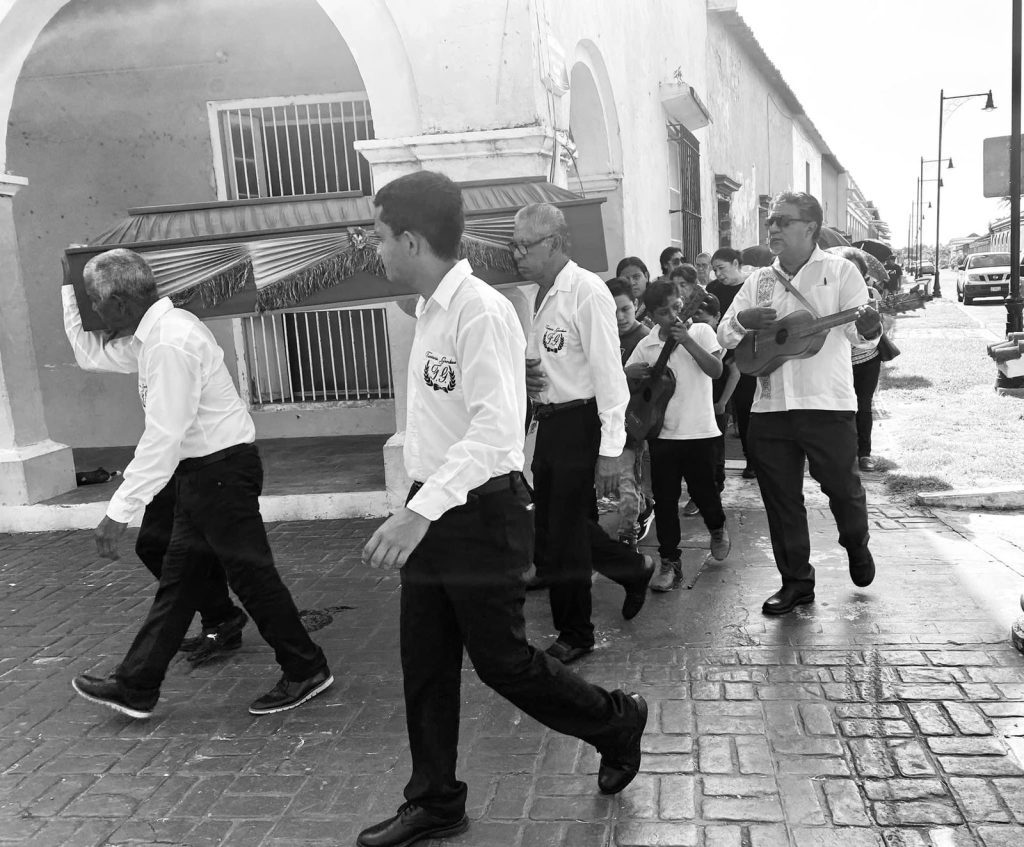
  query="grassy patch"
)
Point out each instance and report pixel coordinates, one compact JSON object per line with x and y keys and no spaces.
{"x":944,"y":426}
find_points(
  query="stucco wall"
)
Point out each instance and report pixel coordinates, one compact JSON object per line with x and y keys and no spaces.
{"x":806,"y":163}
{"x":110,"y":113}
{"x":751,"y":139}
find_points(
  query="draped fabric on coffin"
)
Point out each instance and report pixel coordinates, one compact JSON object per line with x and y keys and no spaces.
{"x":284,"y":251}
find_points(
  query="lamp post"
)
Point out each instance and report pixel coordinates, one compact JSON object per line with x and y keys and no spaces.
{"x":1014,"y":305}
{"x":988,"y":107}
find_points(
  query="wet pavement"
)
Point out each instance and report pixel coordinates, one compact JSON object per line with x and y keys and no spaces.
{"x":889,"y":716}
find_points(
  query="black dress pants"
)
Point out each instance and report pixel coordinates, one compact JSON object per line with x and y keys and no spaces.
{"x":742,"y":400}
{"x":865,"y":381}
{"x":780,"y":441}
{"x":673,"y":461}
{"x":214,"y":602}
{"x":570,"y":542}
{"x":462,"y":588}
{"x":217,"y":513}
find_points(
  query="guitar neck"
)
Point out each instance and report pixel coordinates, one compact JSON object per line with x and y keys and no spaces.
{"x":830,"y":321}
{"x":658,"y":368}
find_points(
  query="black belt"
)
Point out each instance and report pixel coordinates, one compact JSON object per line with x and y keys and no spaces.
{"x":505,"y":482}
{"x":197,"y":462}
{"x":546,"y":410}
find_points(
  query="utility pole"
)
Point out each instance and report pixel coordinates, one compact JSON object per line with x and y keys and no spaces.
{"x":1014,"y":305}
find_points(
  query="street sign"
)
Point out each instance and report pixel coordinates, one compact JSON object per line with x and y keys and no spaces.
{"x":996,"y":157}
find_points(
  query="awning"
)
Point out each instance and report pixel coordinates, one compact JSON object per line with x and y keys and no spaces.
{"x":227,"y":258}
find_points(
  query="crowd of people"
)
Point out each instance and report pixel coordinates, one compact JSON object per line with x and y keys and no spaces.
{"x":474,"y":529}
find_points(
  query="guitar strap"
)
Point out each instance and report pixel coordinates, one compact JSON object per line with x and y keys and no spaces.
{"x":793,"y":290}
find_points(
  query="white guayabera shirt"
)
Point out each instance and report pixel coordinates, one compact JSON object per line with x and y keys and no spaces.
{"x":467,"y":392}
{"x":576,"y":338}
{"x":824,"y":381}
{"x":191,"y":405}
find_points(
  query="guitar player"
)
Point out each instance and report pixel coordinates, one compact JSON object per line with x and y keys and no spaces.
{"x":805,"y":409}
{"x":684,"y":447}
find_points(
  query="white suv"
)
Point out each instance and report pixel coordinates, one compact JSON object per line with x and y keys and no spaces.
{"x":983,"y":275}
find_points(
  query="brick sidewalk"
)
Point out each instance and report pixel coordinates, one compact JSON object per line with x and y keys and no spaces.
{"x":889,"y":716}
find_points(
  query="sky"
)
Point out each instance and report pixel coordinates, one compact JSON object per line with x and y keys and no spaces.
{"x":870,"y":81}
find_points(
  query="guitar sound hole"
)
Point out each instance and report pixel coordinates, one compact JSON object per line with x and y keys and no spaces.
{"x":781,"y":336}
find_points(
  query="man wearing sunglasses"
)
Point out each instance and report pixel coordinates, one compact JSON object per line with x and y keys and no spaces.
{"x":805,"y":410}
{"x":575,"y":379}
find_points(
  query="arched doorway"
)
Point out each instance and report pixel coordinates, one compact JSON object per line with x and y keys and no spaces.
{"x":593,"y":125}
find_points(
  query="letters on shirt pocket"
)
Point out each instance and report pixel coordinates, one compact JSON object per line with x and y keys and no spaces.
{"x":554,"y":338}
{"x":441,"y":372}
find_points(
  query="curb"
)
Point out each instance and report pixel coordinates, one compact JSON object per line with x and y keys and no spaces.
{"x":997,"y":497}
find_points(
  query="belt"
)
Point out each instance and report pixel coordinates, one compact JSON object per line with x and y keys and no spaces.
{"x":546,"y":410}
{"x":196,"y":462}
{"x":505,"y":482}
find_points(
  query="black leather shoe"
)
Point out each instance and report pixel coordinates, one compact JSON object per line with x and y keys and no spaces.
{"x":566,"y":653}
{"x":110,"y":692}
{"x":287,"y":694}
{"x":749,"y":472}
{"x":785,"y":600}
{"x":636,"y":593}
{"x":618,"y":770}
{"x":410,"y":825}
{"x":862,"y":567}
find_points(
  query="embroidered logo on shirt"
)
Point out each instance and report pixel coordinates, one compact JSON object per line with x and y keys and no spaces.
{"x":554,"y":338}
{"x":439,"y":372}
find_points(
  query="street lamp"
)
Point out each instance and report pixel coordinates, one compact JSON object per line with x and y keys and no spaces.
{"x":988,"y":107}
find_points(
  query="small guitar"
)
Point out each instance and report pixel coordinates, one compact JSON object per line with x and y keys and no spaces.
{"x":799,"y":335}
{"x":645,"y":413}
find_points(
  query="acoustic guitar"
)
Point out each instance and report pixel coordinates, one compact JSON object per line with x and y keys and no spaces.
{"x":799,"y":335}
{"x":645,"y":413}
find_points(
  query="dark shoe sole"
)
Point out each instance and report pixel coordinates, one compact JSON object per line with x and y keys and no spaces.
{"x":271,"y":710}
{"x":440,"y":832}
{"x":138,"y":714}
{"x":636,"y":596}
{"x":802,"y":600}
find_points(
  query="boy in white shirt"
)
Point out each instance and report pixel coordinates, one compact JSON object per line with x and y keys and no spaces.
{"x":685,"y":446}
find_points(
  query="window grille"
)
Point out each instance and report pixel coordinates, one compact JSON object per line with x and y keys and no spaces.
{"x":290,"y":146}
{"x":325,"y":356}
{"x":684,"y":190}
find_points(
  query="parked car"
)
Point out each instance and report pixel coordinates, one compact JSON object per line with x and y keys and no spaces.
{"x":983,"y":275}
{"x":925,"y":269}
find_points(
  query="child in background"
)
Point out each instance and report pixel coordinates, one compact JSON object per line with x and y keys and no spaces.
{"x":684,"y":448}
{"x":722,"y":388}
{"x":636,"y":509}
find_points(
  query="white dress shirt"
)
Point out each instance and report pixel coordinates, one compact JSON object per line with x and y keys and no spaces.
{"x":191,"y":405}
{"x":576,"y":338}
{"x":690,"y":413}
{"x":830,"y":284}
{"x":467,"y":392}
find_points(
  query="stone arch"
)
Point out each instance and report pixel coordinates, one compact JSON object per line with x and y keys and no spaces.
{"x":594,"y":125}
{"x":372,"y":37}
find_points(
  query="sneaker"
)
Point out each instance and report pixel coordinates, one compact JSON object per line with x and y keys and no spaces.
{"x":643,"y":522}
{"x":215,"y":640}
{"x":111,"y":692}
{"x":287,"y":694}
{"x":867,"y":463}
{"x":720,"y":543}
{"x":669,"y":575}
{"x":690,"y":509}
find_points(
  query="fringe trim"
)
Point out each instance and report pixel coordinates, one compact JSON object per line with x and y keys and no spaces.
{"x":330,"y":272}
{"x":486,"y":254}
{"x":217,"y":289}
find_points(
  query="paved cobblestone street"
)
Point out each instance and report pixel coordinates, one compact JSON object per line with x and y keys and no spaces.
{"x":891,"y":716}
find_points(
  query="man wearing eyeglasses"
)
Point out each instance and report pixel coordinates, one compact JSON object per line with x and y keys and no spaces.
{"x":805,"y":410}
{"x":578,"y":388}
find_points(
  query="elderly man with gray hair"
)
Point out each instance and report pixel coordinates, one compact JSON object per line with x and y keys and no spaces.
{"x":578,"y":388}
{"x":199,"y":431}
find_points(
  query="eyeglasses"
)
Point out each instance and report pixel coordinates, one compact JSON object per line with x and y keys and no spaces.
{"x":519,"y":248}
{"x":782,"y":221}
